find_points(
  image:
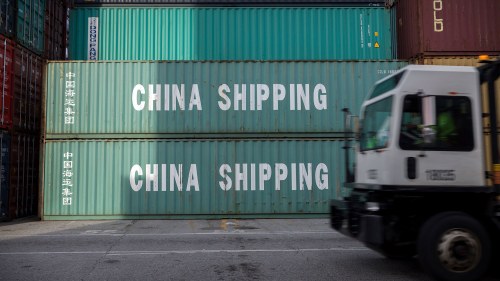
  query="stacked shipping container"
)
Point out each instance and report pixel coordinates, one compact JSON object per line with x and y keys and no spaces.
{"x":249,"y":123}
{"x":32,"y":31}
{"x":228,"y":136}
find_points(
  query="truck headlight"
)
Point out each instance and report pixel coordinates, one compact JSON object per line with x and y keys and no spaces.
{"x":372,"y":206}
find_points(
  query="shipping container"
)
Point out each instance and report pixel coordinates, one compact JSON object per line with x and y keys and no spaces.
{"x":458,"y":27}
{"x":230,"y":2}
{"x":8,"y":17}
{"x":56,"y":15}
{"x":238,"y":33}
{"x":144,"y":99}
{"x":122,"y":179}
{"x":4,"y":174}
{"x":28,"y":86}
{"x":30,"y":24}
{"x":6,"y":77}
{"x":24,"y":169}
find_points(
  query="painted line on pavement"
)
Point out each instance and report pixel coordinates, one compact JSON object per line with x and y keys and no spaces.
{"x":235,"y":232}
{"x":133,"y":253}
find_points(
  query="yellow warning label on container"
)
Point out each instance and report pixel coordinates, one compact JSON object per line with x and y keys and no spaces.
{"x":376,"y":33}
{"x":377,"y":45}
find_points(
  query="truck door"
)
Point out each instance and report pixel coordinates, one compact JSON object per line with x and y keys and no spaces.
{"x":447,"y":156}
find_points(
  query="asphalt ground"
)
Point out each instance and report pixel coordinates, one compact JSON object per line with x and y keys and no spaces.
{"x":261,"y":249}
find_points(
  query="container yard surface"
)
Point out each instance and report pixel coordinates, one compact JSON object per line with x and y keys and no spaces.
{"x":225,"y":249}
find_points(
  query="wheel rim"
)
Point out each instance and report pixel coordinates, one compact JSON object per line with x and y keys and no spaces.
{"x":459,"y":250}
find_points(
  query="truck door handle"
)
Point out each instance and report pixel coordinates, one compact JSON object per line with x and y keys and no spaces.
{"x":411,"y":168}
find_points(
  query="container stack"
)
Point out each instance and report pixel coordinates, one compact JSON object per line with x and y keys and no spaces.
{"x":31,"y":33}
{"x":198,"y":108}
{"x":213,"y":108}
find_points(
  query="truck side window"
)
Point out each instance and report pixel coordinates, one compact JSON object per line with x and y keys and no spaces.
{"x":453,"y":125}
{"x":375,"y":125}
{"x":410,"y":136}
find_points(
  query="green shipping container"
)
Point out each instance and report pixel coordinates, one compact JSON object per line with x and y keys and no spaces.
{"x":237,"y":33}
{"x":126,"y":179}
{"x":139,"y":99}
{"x":30,"y":24}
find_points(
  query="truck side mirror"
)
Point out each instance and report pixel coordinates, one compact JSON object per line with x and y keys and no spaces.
{"x":429,"y":118}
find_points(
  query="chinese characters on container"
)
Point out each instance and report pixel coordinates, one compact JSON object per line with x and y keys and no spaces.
{"x":67,"y":182}
{"x":69,"y":101}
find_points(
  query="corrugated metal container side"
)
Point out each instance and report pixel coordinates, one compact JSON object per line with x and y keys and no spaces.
{"x":30,"y":24}
{"x":28,"y":86}
{"x":217,"y":33}
{"x":56,"y":14}
{"x":92,"y":99}
{"x":470,"y":61}
{"x":6,"y":77}
{"x":458,"y":27}
{"x":23,"y":193}
{"x":8,"y":18}
{"x":231,"y":3}
{"x":105,"y":179}
{"x":4,"y":174}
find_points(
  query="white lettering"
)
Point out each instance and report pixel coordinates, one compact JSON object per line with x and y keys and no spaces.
{"x":305,"y":176}
{"x":281,"y":172}
{"x":153,"y":177}
{"x":320,"y":100}
{"x":438,"y":22}
{"x":154,"y":96}
{"x":264,"y":174}
{"x":299,"y":95}
{"x":303,"y":95}
{"x":177,"y":95}
{"x":138,"y":89}
{"x":308,"y":175}
{"x":226,"y":104}
{"x":195,"y":98}
{"x":322,"y":176}
{"x":240,"y":176}
{"x":279,"y":94}
{"x":223,"y":171}
{"x":176,"y":176}
{"x":262,"y":94}
{"x":173,"y":96}
{"x":193,"y":179}
{"x":136,"y":185}
{"x":240,"y":96}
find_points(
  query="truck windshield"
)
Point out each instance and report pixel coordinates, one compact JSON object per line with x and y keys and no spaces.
{"x":375,"y":126}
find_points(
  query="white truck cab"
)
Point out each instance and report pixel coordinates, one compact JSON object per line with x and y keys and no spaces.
{"x":427,"y":170}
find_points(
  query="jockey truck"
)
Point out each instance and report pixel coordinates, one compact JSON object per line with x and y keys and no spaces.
{"x":426,"y":177}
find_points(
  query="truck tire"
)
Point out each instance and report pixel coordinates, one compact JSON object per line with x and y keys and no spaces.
{"x":454,"y":246}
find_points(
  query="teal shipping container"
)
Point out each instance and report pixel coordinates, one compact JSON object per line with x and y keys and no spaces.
{"x":30,"y":24}
{"x":141,"y":99}
{"x":128,"y":179}
{"x":230,"y":33}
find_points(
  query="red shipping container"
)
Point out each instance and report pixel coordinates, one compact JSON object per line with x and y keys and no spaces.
{"x":447,"y":27}
{"x":56,"y":16}
{"x":23,"y":193}
{"x":6,"y":78}
{"x":27,"y":90}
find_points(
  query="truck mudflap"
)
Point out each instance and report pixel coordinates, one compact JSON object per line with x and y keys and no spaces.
{"x":338,"y":214}
{"x":364,"y":227}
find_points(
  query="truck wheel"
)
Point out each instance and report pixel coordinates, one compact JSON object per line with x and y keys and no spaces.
{"x":454,"y":246}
